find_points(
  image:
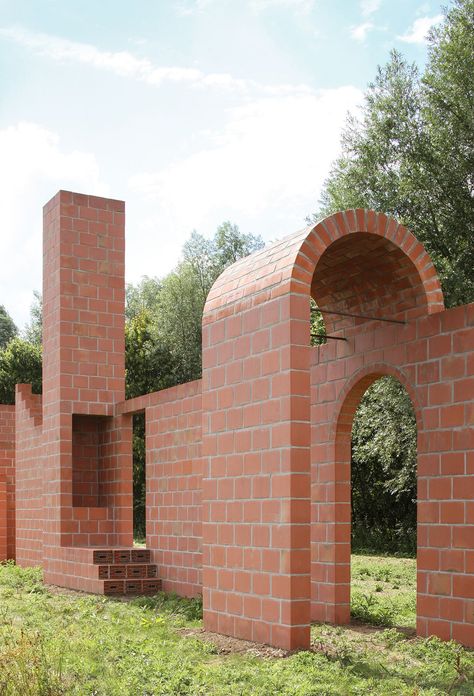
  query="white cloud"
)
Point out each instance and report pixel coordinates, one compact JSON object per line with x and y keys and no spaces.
{"x":33,"y":169}
{"x":368,"y":7}
{"x":359,"y":33}
{"x":263,"y":171}
{"x":125,"y":64}
{"x":418,"y":31}
{"x":299,"y":6}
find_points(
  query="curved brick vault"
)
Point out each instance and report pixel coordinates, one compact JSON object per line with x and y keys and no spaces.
{"x":248,"y":469}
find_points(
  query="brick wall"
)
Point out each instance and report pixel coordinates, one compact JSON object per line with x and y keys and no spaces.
{"x":248,"y":471}
{"x":31,"y":517}
{"x":433,"y":359}
{"x":7,"y":482}
{"x":256,"y":406}
{"x":173,"y":484}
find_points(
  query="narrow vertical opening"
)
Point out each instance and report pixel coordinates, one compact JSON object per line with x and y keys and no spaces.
{"x":139,"y":478}
{"x":383,"y":506}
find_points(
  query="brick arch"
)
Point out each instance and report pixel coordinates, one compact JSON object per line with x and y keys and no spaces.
{"x":257,"y":432}
{"x":355,"y":388}
{"x":289,"y":265}
{"x":337,"y":609}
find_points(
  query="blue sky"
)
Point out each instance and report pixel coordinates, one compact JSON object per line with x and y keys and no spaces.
{"x":192,"y":111}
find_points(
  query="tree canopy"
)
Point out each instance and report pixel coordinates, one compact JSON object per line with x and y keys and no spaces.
{"x":410,"y":153}
{"x":8,"y":329}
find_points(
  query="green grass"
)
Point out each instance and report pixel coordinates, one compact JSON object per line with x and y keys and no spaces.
{"x":56,"y":644}
{"x":383,"y":590}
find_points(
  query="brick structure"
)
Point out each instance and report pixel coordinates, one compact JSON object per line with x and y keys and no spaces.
{"x":173,"y":420}
{"x":7,"y":482}
{"x":248,"y":469}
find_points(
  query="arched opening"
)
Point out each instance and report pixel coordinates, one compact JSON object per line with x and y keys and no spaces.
{"x":364,"y":285}
{"x":383,"y":506}
{"x":375,"y":578}
{"x":364,"y":278}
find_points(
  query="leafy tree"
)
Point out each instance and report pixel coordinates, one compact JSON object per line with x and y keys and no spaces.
{"x":384,"y":470}
{"x":34,"y":329}
{"x":143,"y":296}
{"x":8,"y":328}
{"x":184,"y":292}
{"x":411,"y":153}
{"x":147,"y":368}
{"x":20,"y":362}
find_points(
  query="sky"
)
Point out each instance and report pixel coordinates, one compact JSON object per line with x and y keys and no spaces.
{"x":192,"y":111}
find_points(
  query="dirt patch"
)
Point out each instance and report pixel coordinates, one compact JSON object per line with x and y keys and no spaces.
{"x":226,"y":645}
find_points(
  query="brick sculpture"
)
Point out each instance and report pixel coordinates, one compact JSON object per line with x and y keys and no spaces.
{"x":248,"y":469}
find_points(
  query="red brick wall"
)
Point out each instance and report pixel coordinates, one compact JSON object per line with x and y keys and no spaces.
{"x":31,"y":517}
{"x":254,"y":461}
{"x":3,"y":520}
{"x":173,"y":484}
{"x":433,"y":359}
{"x":7,"y":482}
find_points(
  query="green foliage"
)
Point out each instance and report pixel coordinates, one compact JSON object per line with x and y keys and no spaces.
{"x":76,"y":644}
{"x":8,"y":328}
{"x":34,"y":329}
{"x":148,"y":362}
{"x":184,"y":291}
{"x":383,"y":470}
{"x":20,"y":362}
{"x":411,"y":153}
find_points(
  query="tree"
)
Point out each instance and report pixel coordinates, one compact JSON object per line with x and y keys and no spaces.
{"x":383,"y":470}
{"x":20,"y":362}
{"x":411,"y":153}
{"x":34,"y":329}
{"x":8,"y":328}
{"x":184,"y":292}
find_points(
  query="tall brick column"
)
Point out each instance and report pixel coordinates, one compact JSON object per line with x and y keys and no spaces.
{"x":87,"y":463}
{"x":256,"y":464}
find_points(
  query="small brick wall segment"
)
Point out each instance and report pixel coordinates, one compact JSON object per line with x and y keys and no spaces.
{"x":7,"y":482}
{"x":173,"y":484}
{"x":256,"y":408}
{"x":31,"y":516}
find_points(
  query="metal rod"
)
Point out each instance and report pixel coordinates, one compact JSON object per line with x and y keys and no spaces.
{"x":334,"y":338}
{"x":356,"y":316}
